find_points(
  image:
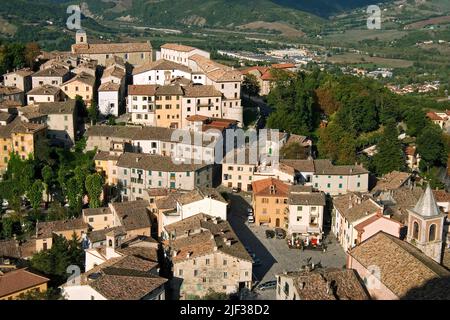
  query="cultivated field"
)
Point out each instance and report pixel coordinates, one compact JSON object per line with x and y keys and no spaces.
{"x":423,"y":23}
{"x":285,"y":29}
{"x":353,"y":58}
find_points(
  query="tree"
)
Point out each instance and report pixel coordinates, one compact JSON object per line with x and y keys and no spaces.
{"x":74,"y":196}
{"x":54,"y":262}
{"x":415,"y":121}
{"x":56,"y":212}
{"x":42,"y":151}
{"x":293,"y":102}
{"x":80,"y":145}
{"x":431,"y":147}
{"x":11,"y":57}
{"x":337,"y":144}
{"x":32,"y":51}
{"x":93,"y":112}
{"x":326,"y":101}
{"x":390,"y":154}
{"x":250,"y":85}
{"x":94,"y":187}
{"x":293,"y":151}
{"x":35,"y":194}
{"x":11,"y":226}
{"x":47,"y":175}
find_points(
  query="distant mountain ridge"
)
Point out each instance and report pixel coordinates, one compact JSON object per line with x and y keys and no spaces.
{"x":326,"y":8}
{"x":306,"y":15}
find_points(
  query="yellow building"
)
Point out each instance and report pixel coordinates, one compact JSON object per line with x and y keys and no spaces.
{"x":21,"y":138}
{"x":18,"y":282}
{"x":64,"y":228}
{"x":168,"y":106}
{"x":270,"y":202}
{"x":82,"y":85}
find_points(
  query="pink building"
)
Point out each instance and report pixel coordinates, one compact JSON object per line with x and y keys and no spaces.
{"x":394,"y":269}
{"x":375,"y":224}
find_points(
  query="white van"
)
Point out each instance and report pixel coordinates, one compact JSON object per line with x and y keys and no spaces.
{"x":251,"y":219}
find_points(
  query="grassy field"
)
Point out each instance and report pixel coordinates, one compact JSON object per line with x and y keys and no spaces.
{"x":7,"y":28}
{"x":427,"y":22}
{"x":285,"y":29}
{"x":353,"y":58}
{"x":355,"y":35}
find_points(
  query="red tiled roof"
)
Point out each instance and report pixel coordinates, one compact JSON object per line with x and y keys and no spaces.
{"x":283,"y":66}
{"x":433,"y":116}
{"x":19,"y":280}
{"x":263,"y":188}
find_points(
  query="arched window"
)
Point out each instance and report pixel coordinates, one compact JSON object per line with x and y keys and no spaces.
{"x":432,"y":233}
{"x":110,"y":243}
{"x":416,"y":230}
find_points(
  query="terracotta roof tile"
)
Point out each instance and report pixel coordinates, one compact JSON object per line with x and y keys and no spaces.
{"x":355,"y":207}
{"x":19,"y":280}
{"x":404,"y":270}
{"x":178,"y":47}
{"x":263,"y":188}
{"x":328,"y":284}
{"x":206,"y":235}
{"x":111,"y":48}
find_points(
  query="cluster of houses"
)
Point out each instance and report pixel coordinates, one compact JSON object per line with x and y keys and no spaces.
{"x":165,"y":232}
{"x":181,"y":89}
{"x":412,"y":88}
{"x":442,"y":119}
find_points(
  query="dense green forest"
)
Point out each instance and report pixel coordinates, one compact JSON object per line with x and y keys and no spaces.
{"x":346,"y":114}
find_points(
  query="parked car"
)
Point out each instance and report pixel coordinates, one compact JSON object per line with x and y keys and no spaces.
{"x":270,"y":234}
{"x":236,"y":190}
{"x":250,"y":211}
{"x":267,"y":285}
{"x":251,"y":219}
{"x":281,"y":234}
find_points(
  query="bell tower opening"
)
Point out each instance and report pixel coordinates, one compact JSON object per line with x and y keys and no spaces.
{"x":81,"y":37}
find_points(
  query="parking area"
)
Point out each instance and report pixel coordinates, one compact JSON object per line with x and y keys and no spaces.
{"x":274,"y":255}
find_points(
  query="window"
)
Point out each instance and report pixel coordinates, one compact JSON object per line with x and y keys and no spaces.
{"x":225,"y":275}
{"x":91,"y":219}
{"x":299,"y":208}
{"x":225,"y":262}
{"x":432,"y":233}
{"x":299,"y":218}
{"x":180,"y":272}
{"x":286,"y":288}
{"x":415,"y":230}
{"x":195,"y":273}
{"x":207,"y":262}
{"x":340,"y":185}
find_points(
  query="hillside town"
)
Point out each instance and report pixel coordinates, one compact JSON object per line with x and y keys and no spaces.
{"x":225,"y":212}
